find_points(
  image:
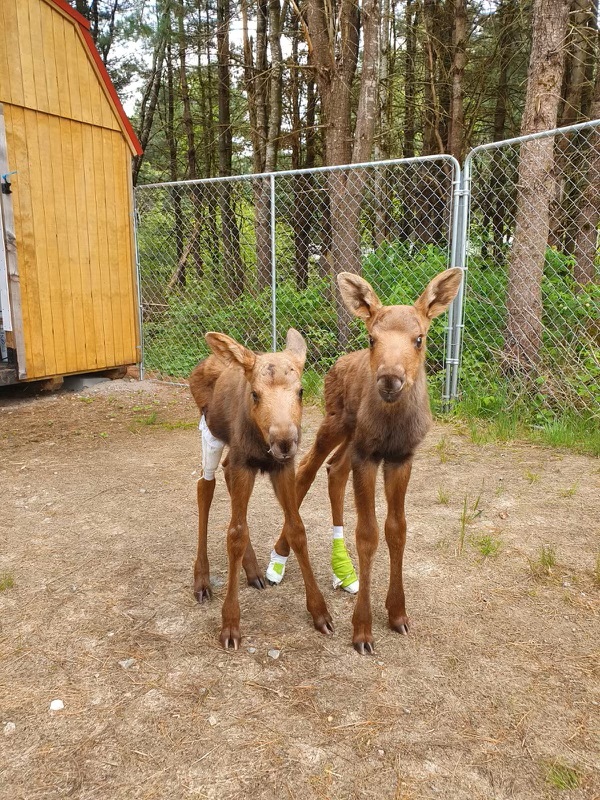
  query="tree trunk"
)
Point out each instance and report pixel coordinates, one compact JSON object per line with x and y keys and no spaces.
{"x":588,"y":220}
{"x":178,"y":278}
{"x":152,"y":88}
{"x":524,"y":299}
{"x":579,"y":53}
{"x":233,"y":272}
{"x":411,"y":24}
{"x":456,"y":128}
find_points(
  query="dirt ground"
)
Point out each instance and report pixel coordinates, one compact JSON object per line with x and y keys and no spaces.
{"x":494,"y":694}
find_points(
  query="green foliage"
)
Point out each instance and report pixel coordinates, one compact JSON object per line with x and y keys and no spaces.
{"x":6,"y":581}
{"x":562,"y":776}
{"x":554,"y":405}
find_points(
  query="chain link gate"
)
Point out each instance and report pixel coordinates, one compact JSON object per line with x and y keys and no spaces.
{"x":254,"y":255}
{"x":531,"y":294}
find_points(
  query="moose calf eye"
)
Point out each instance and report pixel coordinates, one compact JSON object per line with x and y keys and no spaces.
{"x":300,"y":393}
{"x":419,"y":341}
{"x":371,"y":341}
{"x":255,"y":397}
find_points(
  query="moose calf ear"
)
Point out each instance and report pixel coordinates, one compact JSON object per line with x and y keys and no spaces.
{"x":439,"y":293}
{"x":358,"y":295}
{"x":230,"y":351}
{"x":295,"y":343}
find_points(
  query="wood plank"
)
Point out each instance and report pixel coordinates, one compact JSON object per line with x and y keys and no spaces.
{"x":53,"y":54}
{"x":58,"y":248}
{"x":114,"y":210}
{"x":8,"y":35}
{"x":83,"y":243}
{"x":134,"y":264}
{"x":27,"y":264}
{"x":123,"y":233}
{"x":24,"y":46}
{"x":41,"y":52}
{"x":71,"y":222}
{"x":79,"y":99}
{"x":78,"y":70}
{"x":42,"y":212}
{"x":96,"y":245}
{"x":8,"y":225}
{"x":100,"y":260}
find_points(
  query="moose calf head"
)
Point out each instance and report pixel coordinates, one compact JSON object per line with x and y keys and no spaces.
{"x":397,"y":333}
{"x":273,"y":389}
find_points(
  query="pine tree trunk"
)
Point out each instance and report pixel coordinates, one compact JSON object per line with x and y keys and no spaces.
{"x":523,"y":338}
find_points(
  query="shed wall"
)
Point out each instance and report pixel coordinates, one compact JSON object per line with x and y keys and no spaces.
{"x":71,"y":196}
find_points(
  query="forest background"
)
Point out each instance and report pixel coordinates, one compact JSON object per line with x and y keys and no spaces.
{"x":217,"y":88}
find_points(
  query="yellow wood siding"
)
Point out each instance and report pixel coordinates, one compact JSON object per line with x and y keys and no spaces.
{"x":71,"y":196}
{"x":46,"y":66}
{"x":74,"y":245}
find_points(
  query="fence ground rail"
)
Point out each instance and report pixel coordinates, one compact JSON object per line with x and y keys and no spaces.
{"x":255,"y":255}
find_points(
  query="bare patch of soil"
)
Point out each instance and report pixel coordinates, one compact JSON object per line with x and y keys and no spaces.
{"x":494,"y":694}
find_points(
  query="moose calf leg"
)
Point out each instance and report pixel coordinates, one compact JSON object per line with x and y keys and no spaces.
{"x":338,"y":471}
{"x":329,"y":436}
{"x":240,"y":487}
{"x":396,"y":479}
{"x":295,"y":533}
{"x":249,"y":561}
{"x":364,"y":475}
{"x":205,"y":492}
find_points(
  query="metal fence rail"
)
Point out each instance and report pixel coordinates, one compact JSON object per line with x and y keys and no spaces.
{"x":254,"y":255}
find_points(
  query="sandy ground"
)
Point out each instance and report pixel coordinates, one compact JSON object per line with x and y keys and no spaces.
{"x":494,"y":694}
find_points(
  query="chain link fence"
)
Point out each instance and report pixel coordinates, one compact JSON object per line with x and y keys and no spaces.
{"x":255,"y":255}
{"x":531,"y":342}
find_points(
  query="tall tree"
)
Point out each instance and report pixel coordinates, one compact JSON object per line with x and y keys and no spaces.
{"x":524,"y":300}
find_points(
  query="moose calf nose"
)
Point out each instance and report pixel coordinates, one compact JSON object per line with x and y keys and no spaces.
{"x":284,"y":445}
{"x":390,"y":385}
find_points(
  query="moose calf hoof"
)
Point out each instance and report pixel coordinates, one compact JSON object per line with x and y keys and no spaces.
{"x":400,"y":625}
{"x":203,"y":593}
{"x":324,"y":624}
{"x":230,"y":638}
{"x":362,"y":641}
{"x":257,"y":582}
{"x":364,"y":647}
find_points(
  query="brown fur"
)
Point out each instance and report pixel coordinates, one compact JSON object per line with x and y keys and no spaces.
{"x":253,"y":403}
{"x":377,"y":409}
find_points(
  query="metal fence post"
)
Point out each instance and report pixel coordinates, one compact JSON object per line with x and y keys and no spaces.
{"x":273,"y":265}
{"x":453,"y":309}
{"x":464,"y":201}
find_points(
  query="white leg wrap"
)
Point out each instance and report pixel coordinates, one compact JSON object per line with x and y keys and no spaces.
{"x":212,"y":450}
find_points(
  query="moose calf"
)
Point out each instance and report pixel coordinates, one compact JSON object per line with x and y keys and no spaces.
{"x":252,"y":403}
{"x":376,"y":409}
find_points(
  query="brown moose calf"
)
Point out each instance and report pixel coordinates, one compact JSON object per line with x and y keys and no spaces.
{"x":252,"y":403}
{"x":376,"y":409}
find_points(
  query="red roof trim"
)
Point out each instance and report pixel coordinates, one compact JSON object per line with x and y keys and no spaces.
{"x":85,"y":26}
{"x":64,"y":6}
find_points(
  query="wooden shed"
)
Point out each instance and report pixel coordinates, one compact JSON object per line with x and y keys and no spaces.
{"x":68,"y":288}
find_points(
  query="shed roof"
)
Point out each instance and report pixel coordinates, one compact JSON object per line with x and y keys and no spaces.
{"x":84,"y":27}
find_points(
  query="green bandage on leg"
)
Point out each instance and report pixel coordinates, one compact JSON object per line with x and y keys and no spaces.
{"x":343,"y":571}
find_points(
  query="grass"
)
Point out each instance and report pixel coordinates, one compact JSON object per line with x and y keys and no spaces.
{"x":570,"y":492}
{"x":545,"y":562}
{"x":489,"y":546}
{"x":468,"y":515}
{"x":532,"y":477}
{"x":443,"y":449}
{"x":562,"y":777}
{"x":443,"y":496}
{"x":6,"y":581}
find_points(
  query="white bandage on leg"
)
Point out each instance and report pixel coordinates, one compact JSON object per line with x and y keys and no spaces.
{"x":212,"y":450}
